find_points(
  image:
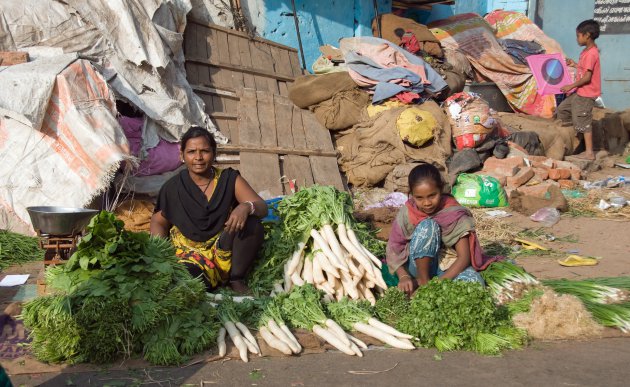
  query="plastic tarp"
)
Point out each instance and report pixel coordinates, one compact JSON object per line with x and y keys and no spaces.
{"x":135,"y":44}
{"x":60,"y":142}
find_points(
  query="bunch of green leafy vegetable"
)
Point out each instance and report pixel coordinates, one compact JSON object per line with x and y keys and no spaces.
{"x":451,"y":315}
{"x":16,"y":249}
{"x":308,"y":209}
{"x":393,"y":304}
{"x":121,"y":293}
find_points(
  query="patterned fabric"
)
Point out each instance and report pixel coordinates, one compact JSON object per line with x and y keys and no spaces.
{"x":214,"y":263}
{"x":425,"y":244}
{"x":472,"y":35}
{"x":426,"y":240}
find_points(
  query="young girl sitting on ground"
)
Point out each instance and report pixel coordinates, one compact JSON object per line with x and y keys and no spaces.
{"x":428,"y":221}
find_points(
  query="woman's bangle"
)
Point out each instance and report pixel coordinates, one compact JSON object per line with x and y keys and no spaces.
{"x":404,"y":276}
{"x":252,"y":209}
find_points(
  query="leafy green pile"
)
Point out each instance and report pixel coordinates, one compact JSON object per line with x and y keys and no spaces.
{"x":300,"y":213}
{"x":120,"y":293}
{"x":346,"y":312}
{"x":16,"y":249}
{"x":451,"y":315}
{"x":392,"y":305}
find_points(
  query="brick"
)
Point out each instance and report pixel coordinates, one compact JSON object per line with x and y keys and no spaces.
{"x":549,"y":163}
{"x":542,"y":174}
{"x":576,"y":174}
{"x":567,"y":165}
{"x":501,"y":178}
{"x":539,"y":165}
{"x":538,"y":159}
{"x":520,"y":178}
{"x":503,"y":167}
{"x":9,"y":58}
{"x":567,"y":184}
{"x":539,"y":191}
{"x":559,"y":173}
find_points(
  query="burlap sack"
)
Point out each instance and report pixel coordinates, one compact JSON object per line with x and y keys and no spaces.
{"x":374,"y":148}
{"x":343,"y":110}
{"x":458,"y":60}
{"x":309,"y":90}
{"x":609,"y":131}
{"x":557,"y":140}
{"x":393,"y":27}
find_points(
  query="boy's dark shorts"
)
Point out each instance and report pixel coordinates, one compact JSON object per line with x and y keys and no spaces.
{"x":578,"y":111}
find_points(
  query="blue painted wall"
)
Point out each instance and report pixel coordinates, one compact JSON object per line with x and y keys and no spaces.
{"x":321,"y":22}
{"x":559,"y":19}
{"x":484,"y":6}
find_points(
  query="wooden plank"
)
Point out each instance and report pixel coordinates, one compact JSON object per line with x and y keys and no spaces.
{"x":190,"y":49}
{"x":191,"y":73}
{"x":284,"y":117}
{"x":284,"y":90}
{"x":297,"y":168}
{"x":246,"y":62}
{"x":218,"y":104}
{"x":317,"y":137}
{"x":297,"y":128}
{"x":235,"y":140}
{"x":268,"y":66}
{"x":213,"y":91}
{"x":224,"y":127}
{"x":326,"y":171}
{"x":230,"y":105}
{"x":262,"y":172}
{"x":295,"y":64}
{"x":207,"y":99}
{"x":225,"y":76}
{"x":240,"y":33}
{"x":255,"y":72}
{"x":267,"y":119}
{"x":281,"y":61}
{"x":248,"y":126}
{"x":224,"y":116}
{"x":235,"y":59}
{"x":10,"y":58}
{"x":230,"y":148}
{"x":211,"y":44}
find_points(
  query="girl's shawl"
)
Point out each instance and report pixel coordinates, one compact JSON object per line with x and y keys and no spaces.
{"x":186,"y":206}
{"x":455,"y":222}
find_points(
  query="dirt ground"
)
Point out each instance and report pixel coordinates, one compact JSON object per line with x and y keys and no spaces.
{"x":588,"y":363}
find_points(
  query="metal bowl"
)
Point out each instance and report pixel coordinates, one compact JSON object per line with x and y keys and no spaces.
{"x":60,"y":220}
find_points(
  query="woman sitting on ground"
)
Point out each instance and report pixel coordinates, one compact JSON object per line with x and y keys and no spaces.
{"x":429,"y":221}
{"x":211,"y":215}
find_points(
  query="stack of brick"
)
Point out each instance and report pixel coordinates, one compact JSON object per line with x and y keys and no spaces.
{"x":532,"y":175}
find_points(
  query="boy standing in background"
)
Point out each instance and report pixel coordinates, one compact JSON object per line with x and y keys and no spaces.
{"x":577,"y":108}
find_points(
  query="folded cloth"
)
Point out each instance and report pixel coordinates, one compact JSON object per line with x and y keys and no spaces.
{"x":388,"y":69}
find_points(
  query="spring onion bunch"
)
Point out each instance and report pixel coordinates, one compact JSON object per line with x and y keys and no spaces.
{"x":588,"y":291}
{"x":611,"y":315}
{"x":506,"y":280}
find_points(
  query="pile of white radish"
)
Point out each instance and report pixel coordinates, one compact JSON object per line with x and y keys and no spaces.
{"x":303,"y":309}
{"x":352,"y":316}
{"x":336,"y":263}
{"x":240,"y":335}
{"x":275,"y":332}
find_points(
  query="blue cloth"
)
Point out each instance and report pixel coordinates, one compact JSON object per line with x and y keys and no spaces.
{"x":384,"y":90}
{"x":425,"y":244}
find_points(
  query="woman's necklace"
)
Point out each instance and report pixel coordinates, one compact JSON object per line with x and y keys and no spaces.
{"x":207,"y":185}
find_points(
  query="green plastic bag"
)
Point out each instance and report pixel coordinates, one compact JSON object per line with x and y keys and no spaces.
{"x":479,"y":191}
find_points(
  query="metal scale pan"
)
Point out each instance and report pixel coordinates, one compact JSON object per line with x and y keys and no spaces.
{"x":60,"y":220}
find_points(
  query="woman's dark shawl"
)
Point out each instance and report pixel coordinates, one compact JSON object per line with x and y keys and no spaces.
{"x":184,"y":205}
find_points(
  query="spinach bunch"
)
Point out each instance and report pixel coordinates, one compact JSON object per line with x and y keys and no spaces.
{"x":123,"y":293}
